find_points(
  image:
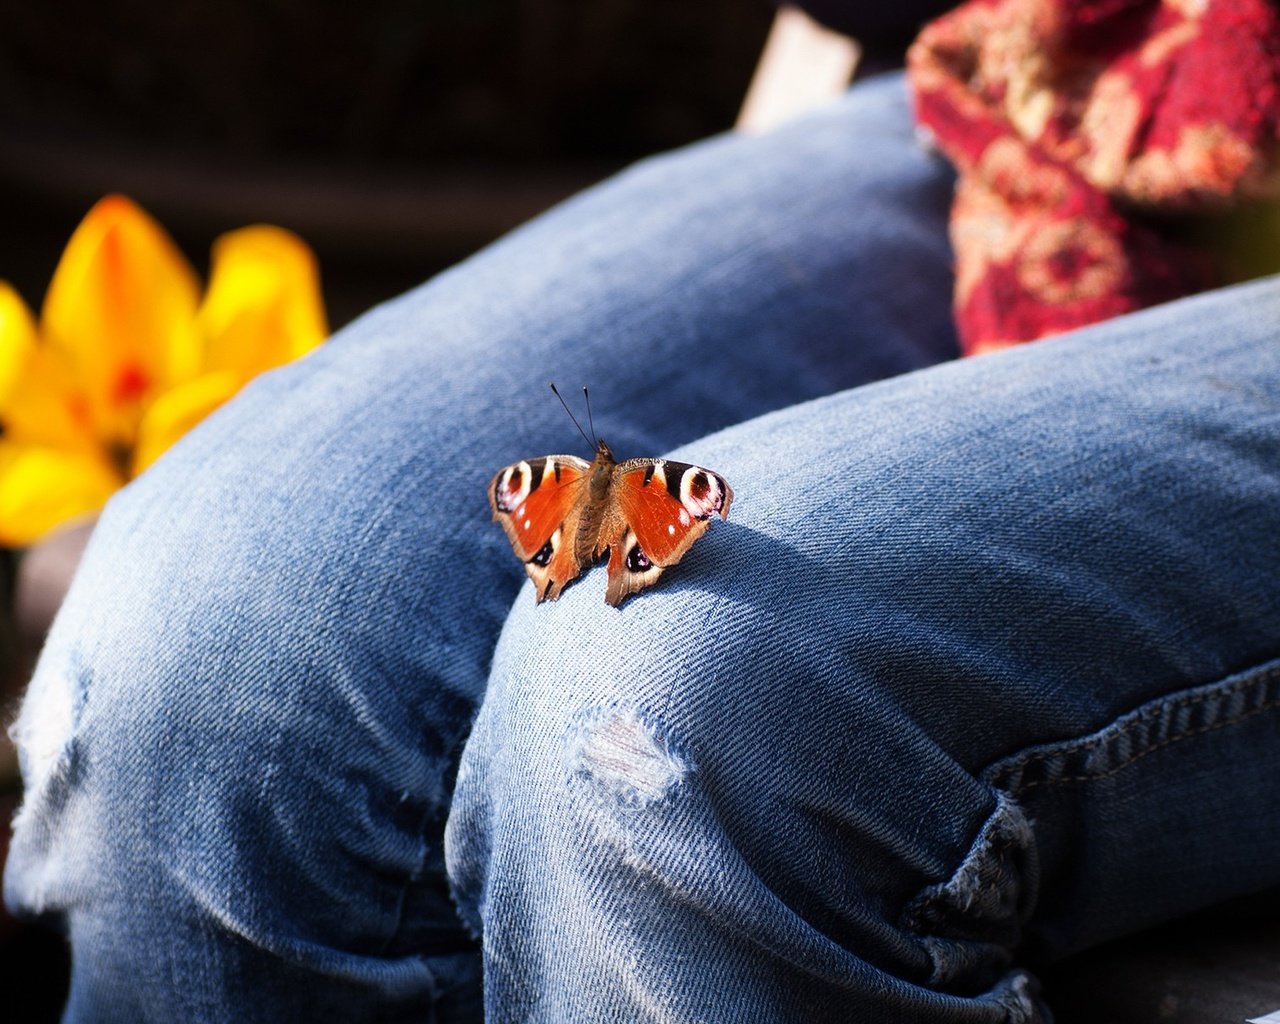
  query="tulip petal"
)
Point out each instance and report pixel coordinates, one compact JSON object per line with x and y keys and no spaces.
{"x":177,"y":411}
{"x":41,"y":488}
{"x":263,"y":307}
{"x":48,"y":407}
{"x":39,"y":403}
{"x":122,"y":306}
{"x":17,"y":341}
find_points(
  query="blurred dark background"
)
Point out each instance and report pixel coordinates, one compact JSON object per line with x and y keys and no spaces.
{"x":395,"y":137}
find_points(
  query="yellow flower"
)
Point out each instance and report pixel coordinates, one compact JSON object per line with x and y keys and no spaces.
{"x":128,"y":355}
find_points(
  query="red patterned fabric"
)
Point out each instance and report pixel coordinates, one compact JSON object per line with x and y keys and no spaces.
{"x":1082,"y":131}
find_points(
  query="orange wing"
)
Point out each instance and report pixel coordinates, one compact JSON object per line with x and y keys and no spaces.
{"x":536,"y":502}
{"x":665,"y":506}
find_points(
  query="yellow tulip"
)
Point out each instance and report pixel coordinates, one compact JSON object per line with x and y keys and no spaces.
{"x":128,"y":355}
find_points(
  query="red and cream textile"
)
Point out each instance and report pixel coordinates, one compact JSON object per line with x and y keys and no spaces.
{"x":1083,"y":132}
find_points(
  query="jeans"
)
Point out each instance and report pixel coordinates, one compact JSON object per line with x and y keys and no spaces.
{"x":983,"y":668}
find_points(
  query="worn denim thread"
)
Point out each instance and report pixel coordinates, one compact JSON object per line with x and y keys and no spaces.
{"x":585,"y":746}
{"x":927,"y":914}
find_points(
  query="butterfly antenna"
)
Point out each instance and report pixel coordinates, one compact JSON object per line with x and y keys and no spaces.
{"x":591,"y":423}
{"x":556,"y":391}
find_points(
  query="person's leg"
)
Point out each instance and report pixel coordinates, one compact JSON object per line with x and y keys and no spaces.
{"x":240,"y":740}
{"x":985,"y":665}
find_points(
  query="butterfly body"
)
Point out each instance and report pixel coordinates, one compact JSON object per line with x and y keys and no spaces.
{"x":562,"y":513}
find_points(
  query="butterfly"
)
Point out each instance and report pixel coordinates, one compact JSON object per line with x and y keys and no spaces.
{"x":562,"y":514}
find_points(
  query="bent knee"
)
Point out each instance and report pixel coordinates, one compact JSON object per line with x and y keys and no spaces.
{"x":642,"y":754}
{"x":188,"y":757}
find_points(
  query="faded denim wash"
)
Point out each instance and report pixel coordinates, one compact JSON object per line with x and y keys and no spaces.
{"x":984,"y":667}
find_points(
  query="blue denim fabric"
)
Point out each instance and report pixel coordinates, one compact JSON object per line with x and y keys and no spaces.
{"x":984,"y":663}
{"x":981,"y":669}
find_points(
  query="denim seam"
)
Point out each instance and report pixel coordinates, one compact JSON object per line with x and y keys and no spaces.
{"x":934,"y":916}
{"x":1004,"y":774}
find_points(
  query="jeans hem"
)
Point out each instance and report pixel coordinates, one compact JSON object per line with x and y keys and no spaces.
{"x":1153,"y":726}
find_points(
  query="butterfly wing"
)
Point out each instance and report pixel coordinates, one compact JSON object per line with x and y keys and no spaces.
{"x":537,"y":503}
{"x":661,"y":508}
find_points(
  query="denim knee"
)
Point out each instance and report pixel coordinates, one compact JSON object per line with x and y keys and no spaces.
{"x":784,"y":768}
{"x":227,"y":792}
{"x":643,"y":819}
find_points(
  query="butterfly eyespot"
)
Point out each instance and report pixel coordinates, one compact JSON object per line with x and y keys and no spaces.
{"x":701,"y":493}
{"x":637,"y":560}
{"x":642,"y":515}
{"x":544,"y":553}
{"x":512,"y":487}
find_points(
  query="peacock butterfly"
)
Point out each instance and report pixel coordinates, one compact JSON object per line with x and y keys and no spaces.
{"x":562,"y":513}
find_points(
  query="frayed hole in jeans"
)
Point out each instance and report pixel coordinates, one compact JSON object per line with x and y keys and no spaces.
{"x":624,"y":754}
{"x":46,"y":726}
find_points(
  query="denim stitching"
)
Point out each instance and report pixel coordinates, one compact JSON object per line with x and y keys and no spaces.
{"x":947,"y":951}
{"x":1005,"y":774}
{"x":1024,"y":787}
